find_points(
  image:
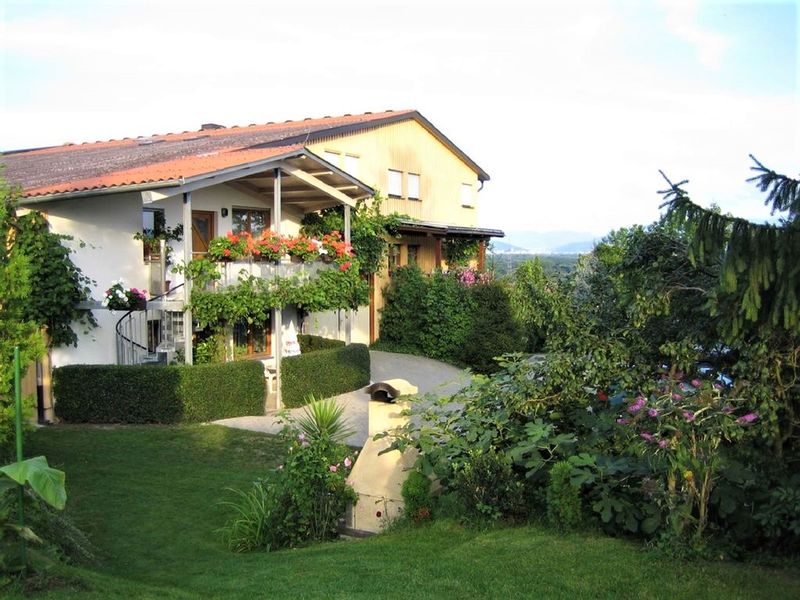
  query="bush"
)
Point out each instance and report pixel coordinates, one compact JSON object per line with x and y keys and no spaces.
{"x":156,"y":394}
{"x":302,"y":500}
{"x":324,"y":373}
{"x":563,"y":499}
{"x":312,"y":343}
{"x":416,"y":493}
{"x":488,"y":487}
{"x":460,"y":317}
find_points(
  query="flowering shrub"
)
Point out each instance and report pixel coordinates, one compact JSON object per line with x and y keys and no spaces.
{"x":118,"y":297}
{"x":336,"y":249}
{"x":681,"y":429}
{"x":301,"y":501}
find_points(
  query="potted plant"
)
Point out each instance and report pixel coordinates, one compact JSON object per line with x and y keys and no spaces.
{"x":151,"y":238}
{"x":302,"y":249}
{"x":270,"y":247}
{"x":118,"y":297}
{"x":229,"y":247}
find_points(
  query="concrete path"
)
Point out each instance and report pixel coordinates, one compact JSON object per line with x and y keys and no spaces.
{"x":430,"y":376}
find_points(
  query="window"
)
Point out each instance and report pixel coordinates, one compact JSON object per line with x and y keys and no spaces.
{"x":467,"y":198}
{"x":394,"y":257}
{"x":252,"y":339}
{"x":351,"y":164}
{"x":251,"y":220}
{"x":413,"y":254}
{"x":153,"y":223}
{"x":413,"y":186}
{"x":395,"y":187}
{"x":332,"y":157}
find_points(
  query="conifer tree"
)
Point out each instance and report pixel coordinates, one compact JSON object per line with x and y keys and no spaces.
{"x":759,"y":282}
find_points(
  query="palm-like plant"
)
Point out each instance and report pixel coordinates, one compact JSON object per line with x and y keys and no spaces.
{"x":324,"y":420}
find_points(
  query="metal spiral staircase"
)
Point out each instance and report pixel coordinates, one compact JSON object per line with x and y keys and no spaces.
{"x":150,"y":336}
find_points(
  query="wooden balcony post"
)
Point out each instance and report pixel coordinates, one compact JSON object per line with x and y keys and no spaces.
{"x":188,"y":327}
{"x":277,"y":318}
{"x":482,"y":255}
{"x":348,"y":314}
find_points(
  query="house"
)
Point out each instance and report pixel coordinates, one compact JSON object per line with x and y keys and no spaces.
{"x":220,"y":179}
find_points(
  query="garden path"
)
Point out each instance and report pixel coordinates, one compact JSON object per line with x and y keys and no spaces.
{"x":430,"y":376}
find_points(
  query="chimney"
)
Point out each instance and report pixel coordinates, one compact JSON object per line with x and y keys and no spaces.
{"x":209,"y":126}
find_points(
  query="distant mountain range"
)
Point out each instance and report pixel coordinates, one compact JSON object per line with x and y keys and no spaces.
{"x":545,"y":242}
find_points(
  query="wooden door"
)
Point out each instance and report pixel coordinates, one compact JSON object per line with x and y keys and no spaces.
{"x":202,"y":232}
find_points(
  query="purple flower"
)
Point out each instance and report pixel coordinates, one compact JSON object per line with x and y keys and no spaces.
{"x":663,"y":444}
{"x":653,"y":412}
{"x":637,"y":405}
{"x":696,"y":383}
{"x":677,"y":396}
{"x":622,"y":421}
{"x":727,"y":409}
{"x":688,"y":415}
{"x":717,"y":386}
{"x":748,"y":418}
{"x":301,"y":437}
{"x":648,"y":437}
{"x":333,"y":468}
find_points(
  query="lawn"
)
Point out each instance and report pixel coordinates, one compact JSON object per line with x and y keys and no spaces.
{"x":149,"y":499}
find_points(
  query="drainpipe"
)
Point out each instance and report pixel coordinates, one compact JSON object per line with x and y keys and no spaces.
{"x":188,"y":327}
{"x":277,"y":313}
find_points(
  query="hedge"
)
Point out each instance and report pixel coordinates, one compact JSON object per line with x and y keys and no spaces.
{"x":312,"y":343}
{"x":324,"y":373}
{"x":158,"y":394}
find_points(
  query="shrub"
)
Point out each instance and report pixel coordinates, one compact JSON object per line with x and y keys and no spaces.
{"x":404,"y":298}
{"x":563,"y":498}
{"x":312,"y":343}
{"x":488,"y":487}
{"x":493,"y":331}
{"x":416,"y":493}
{"x":156,"y":394}
{"x":302,"y":500}
{"x":324,"y":373}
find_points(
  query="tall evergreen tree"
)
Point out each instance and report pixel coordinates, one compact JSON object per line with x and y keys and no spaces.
{"x":759,"y":282}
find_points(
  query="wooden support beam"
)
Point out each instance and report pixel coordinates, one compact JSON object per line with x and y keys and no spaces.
{"x":188,"y":325}
{"x":316,"y":183}
{"x":482,"y":255}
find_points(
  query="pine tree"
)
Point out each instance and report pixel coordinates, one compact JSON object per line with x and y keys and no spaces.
{"x":759,"y":282}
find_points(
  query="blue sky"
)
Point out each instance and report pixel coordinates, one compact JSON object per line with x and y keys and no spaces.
{"x":572,"y":107}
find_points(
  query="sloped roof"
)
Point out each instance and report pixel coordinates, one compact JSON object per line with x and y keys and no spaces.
{"x":77,"y":168}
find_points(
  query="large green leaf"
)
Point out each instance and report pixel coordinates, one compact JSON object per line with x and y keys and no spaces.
{"x":46,"y":481}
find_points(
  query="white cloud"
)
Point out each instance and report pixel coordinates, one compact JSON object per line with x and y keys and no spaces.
{"x":682,"y":21}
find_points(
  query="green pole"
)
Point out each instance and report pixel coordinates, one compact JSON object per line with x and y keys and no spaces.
{"x":18,"y":403}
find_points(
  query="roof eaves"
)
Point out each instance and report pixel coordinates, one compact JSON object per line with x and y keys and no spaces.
{"x":99,"y":191}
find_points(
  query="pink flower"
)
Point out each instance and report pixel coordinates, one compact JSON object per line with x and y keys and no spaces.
{"x":653,"y":412}
{"x":748,"y":418}
{"x":727,"y":409}
{"x":648,"y":437}
{"x":663,"y":444}
{"x":688,"y":415}
{"x":622,"y":421}
{"x":696,"y":383}
{"x":677,"y":396}
{"x":344,"y":266}
{"x":637,"y":405}
{"x":333,"y":468}
{"x":347,"y":462}
{"x":301,"y":437}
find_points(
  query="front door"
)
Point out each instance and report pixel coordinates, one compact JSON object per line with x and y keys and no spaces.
{"x":202,"y":232}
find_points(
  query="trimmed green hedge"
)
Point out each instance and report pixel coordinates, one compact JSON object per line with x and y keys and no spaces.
{"x":158,"y":394}
{"x":324,"y":373}
{"x":312,"y":343}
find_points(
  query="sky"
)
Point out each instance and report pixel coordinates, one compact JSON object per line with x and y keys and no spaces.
{"x":571,"y":106}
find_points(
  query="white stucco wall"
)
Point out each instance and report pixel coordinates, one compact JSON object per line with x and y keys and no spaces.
{"x":104,"y":249}
{"x":330,"y":324}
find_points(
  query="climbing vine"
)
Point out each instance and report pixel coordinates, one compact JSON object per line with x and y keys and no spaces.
{"x":57,"y":284}
{"x":459,"y":251}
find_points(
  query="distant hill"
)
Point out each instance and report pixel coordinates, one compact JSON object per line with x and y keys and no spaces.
{"x":500,"y":247}
{"x":549,"y":242}
{"x":505,"y":263}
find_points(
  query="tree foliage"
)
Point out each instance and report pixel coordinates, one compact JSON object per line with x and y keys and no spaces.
{"x":759,"y":275}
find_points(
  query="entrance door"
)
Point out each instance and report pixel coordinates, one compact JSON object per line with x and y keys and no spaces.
{"x":202,"y":232}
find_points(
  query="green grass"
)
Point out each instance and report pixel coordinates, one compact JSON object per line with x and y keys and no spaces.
{"x":148,"y":497}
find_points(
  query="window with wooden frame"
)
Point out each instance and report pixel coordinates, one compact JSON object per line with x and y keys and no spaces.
{"x":254,"y":221}
{"x":395,"y":184}
{"x":413,"y":254}
{"x":413,"y":186}
{"x":252,"y":340}
{"x":351,"y":164}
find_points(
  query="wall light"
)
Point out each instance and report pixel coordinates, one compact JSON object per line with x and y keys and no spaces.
{"x":223,"y":212}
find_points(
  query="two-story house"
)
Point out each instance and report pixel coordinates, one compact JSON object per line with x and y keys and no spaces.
{"x":220,"y":179}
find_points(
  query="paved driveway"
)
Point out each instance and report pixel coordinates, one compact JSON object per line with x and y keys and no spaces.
{"x":430,"y":376}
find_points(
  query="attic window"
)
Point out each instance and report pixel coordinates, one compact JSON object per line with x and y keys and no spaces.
{"x":467,"y":195}
{"x":413,"y":186}
{"x":395,"y":185}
